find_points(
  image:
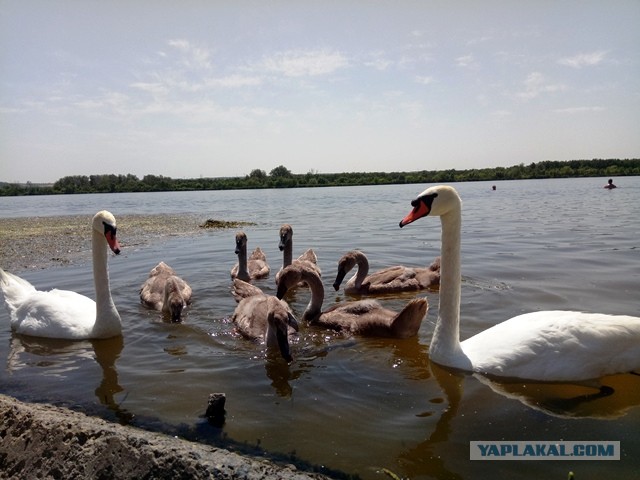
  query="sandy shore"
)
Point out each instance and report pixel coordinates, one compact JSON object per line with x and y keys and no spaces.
{"x":44,"y":242}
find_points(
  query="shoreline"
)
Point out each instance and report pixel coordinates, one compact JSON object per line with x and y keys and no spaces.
{"x":45,"y":441}
{"x":33,"y":243}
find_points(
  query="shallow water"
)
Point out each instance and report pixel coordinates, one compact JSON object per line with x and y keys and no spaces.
{"x":352,"y":404}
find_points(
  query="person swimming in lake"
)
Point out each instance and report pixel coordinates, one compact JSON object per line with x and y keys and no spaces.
{"x":610,"y":184}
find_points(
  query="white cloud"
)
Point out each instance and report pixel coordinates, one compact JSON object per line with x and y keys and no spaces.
{"x":379,"y":64}
{"x":536,"y":84}
{"x":194,"y":57}
{"x":378,"y":61}
{"x":234,"y":81}
{"x":295,"y":63}
{"x":154,"y":88}
{"x":476,"y":41}
{"x":465,"y":61}
{"x":584,"y":59}
{"x":422,"y":80}
{"x":577,"y":110}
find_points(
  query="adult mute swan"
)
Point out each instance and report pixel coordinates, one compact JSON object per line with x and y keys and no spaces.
{"x":363,"y":317}
{"x":263,"y":317}
{"x":388,"y":280}
{"x":558,"y":346}
{"x":62,"y":313}
{"x":308,"y":258}
{"x":250,"y":268}
{"x":166,"y":292}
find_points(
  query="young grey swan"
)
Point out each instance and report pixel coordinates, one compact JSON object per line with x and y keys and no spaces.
{"x":364,"y":317}
{"x":249,"y":269}
{"x":263,"y":317}
{"x":165,"y":291}
{"x":388,"y":280}
{"x":308,"y":258}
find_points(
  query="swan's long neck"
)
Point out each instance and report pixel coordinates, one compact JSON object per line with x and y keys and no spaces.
{"x":446,"y":336}
{"x":287,"y":254}
{"x":243,"y":272}
{"x":107,"y":317}
{"x":363,"y":271}
{"x":317,"y":296}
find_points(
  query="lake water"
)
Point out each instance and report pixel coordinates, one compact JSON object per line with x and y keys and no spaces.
{"x":352,"y":405}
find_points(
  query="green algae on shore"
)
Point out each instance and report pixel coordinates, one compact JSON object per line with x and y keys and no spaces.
{"x":43,"y":242}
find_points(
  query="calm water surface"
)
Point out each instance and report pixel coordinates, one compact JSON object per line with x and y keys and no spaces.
{"x":352,"y":404}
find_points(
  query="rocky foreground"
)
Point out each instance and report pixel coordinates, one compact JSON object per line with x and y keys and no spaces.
{"x":44,"y":441}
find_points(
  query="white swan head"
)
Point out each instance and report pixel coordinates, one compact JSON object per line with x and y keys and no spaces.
{"x":105,"y":224}
{"x":434,"y":201}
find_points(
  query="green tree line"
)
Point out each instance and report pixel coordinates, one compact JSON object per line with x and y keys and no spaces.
{"x":281,"y":177}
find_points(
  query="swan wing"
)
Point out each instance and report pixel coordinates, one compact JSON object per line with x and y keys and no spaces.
{"x":407,"y":323}
{"x":391,"y":279}
{"x":14,"y":290}
{"x":369,"y":318}
{"x":234,"y":271}
{"x":162,"y":269}
{"x":557,"y":346}
{"x":400,"y":278}
{"x":309,"y":256}
{"x":250,"y":316}
{"x":258,"y":254}
{"x":258,"y":268}
{"x":241,"y":290}
{"x":55,"y":314}
{"x":185,"y":289}
{"x":152,"y":291}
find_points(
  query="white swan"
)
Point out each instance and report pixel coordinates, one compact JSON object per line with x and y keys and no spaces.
{"x":398,"y":278}
{"x":62,"y":313}
{"x":554,"y":346}
{"x":285,"y":245}
{"x":254,"y":267}
{"x":166,"y":292}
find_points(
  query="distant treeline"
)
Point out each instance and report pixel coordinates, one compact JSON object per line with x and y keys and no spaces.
{"x":281,"y":177}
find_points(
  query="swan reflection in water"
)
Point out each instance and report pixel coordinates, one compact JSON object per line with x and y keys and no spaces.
{"x":56,"y":358}
{"x":567,"y":400}
{"x":560,"y":400}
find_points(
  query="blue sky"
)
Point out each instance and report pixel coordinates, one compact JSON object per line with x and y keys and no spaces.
{"x":219,"y":88}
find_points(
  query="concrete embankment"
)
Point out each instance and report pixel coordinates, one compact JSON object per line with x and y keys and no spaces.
{"x":44,"y":441}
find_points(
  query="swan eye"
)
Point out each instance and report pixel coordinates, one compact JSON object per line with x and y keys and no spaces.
{"x":109,"y":228}
{"x":427,"y":199}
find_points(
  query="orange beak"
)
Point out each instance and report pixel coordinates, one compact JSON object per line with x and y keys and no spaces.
{"x":420,"y":210}
{"x":112,"y":241}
